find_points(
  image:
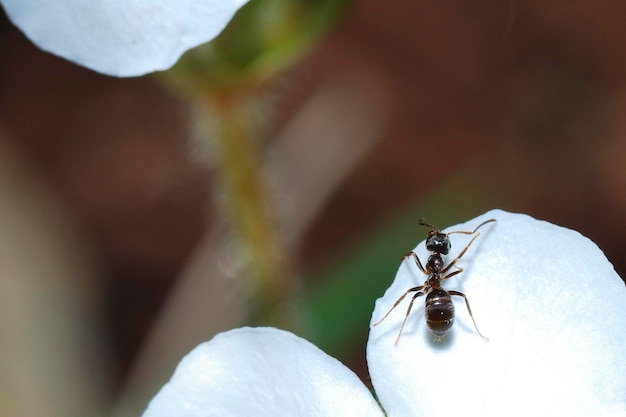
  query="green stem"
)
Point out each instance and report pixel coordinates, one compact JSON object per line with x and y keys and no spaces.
{"x":235,"y":142}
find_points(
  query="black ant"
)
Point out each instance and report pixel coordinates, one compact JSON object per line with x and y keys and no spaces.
{"x":439,"y":308}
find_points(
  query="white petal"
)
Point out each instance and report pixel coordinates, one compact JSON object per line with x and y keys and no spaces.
{"x":553,"y":308}
{"x":121,"y":38}
{"x":261,"y":372}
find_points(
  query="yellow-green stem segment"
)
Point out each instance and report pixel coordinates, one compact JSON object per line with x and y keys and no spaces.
{"x":230,"y":126}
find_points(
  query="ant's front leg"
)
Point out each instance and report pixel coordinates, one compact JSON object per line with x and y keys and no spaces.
{"x":417,"y":261}
{"x":447,"y":268}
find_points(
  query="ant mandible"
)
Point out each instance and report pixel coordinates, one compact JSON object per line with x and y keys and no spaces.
{"x":439,"y":308}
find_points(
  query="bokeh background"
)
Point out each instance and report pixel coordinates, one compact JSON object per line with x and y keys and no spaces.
{"x":115,"y":255}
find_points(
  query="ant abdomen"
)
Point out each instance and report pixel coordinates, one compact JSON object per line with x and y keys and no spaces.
{"x":439,"y":312}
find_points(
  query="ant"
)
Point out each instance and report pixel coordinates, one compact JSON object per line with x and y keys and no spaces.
{"x":439,"y":308}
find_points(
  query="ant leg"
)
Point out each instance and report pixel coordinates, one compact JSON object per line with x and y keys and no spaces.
{"x":406,"y":316}
{"x":417,"y":261}
{"x":469,"y":310}
{"x":477,"y":227}
{"x":451,"y":274}
{"x":444,"y":270}
{"x":414,"y":289}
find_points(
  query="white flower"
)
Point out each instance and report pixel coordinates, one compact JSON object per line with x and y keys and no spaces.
{"x":121,"y":38}
{"x":261,"y":372}
{"x":554,"y":311}
{"x":551,"y":304}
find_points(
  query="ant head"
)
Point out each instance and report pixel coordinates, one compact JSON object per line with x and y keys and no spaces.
{"x":438,"y":242}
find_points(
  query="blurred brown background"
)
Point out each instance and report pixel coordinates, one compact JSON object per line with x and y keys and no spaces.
{"x":518,"y":104}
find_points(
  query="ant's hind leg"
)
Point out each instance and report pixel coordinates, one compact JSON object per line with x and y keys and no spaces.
{"x":469,"y":310}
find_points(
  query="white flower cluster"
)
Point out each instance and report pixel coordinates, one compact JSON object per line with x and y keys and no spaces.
{"x":551,"y":304}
